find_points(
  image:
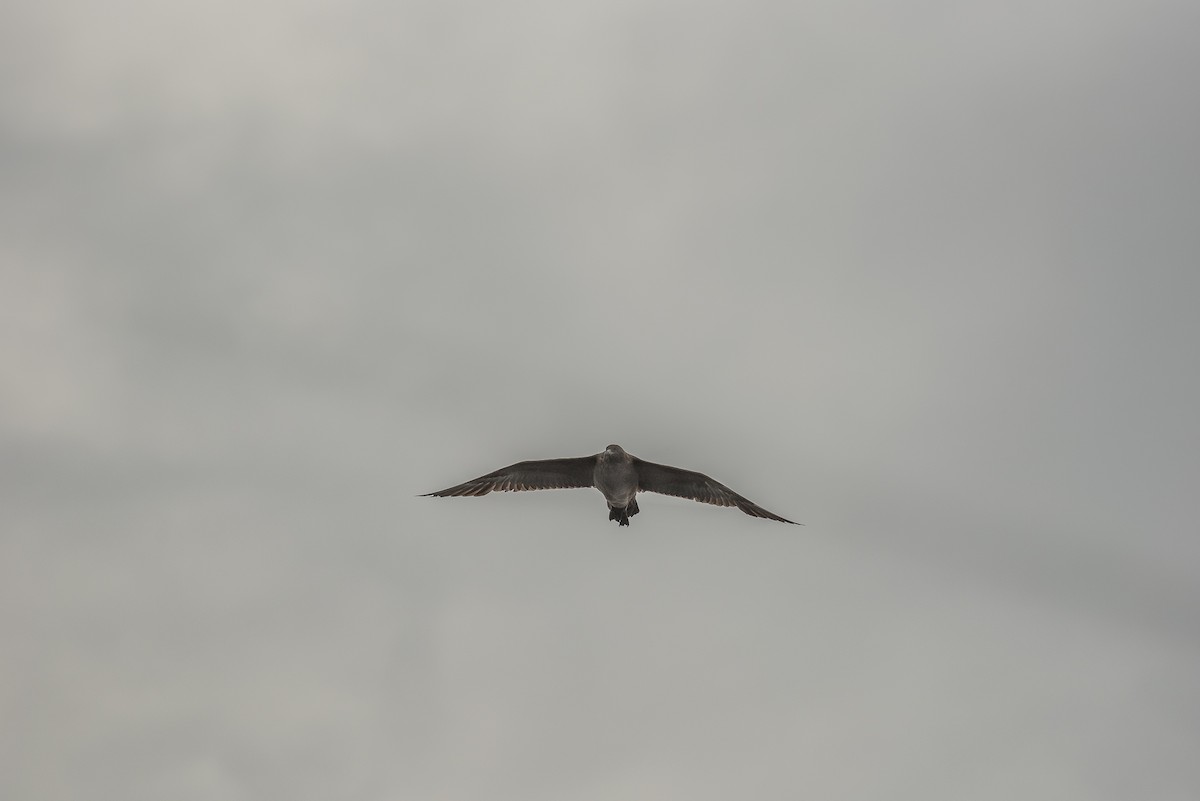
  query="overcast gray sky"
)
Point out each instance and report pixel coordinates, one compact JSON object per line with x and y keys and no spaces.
{"x":923,"y":276}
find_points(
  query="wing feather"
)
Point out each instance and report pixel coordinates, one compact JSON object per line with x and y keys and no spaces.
{"x":532,"y":475}
{"x":695,"y":486}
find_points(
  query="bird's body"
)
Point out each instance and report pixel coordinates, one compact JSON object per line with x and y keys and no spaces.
{"x":619,"y":476}
{"x":617,"y":479}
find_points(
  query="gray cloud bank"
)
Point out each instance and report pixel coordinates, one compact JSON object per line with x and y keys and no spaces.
{"x":922,"y":278}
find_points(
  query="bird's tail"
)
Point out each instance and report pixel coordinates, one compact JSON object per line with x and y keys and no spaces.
{"x":622,"y":515}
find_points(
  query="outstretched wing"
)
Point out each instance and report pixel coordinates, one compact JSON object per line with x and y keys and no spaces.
{"x":535,"y":475}
{"x":698,"y":487}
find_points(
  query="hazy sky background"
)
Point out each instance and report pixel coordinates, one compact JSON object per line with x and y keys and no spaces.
{"x":923,"y":276}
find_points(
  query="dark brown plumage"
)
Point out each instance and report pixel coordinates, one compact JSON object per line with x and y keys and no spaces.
{"x":618,"y":475}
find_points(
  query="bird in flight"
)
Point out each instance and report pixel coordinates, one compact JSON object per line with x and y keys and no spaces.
{"x":620,"y":476}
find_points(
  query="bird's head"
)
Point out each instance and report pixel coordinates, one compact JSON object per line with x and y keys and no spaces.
{"x":615,"y":454}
